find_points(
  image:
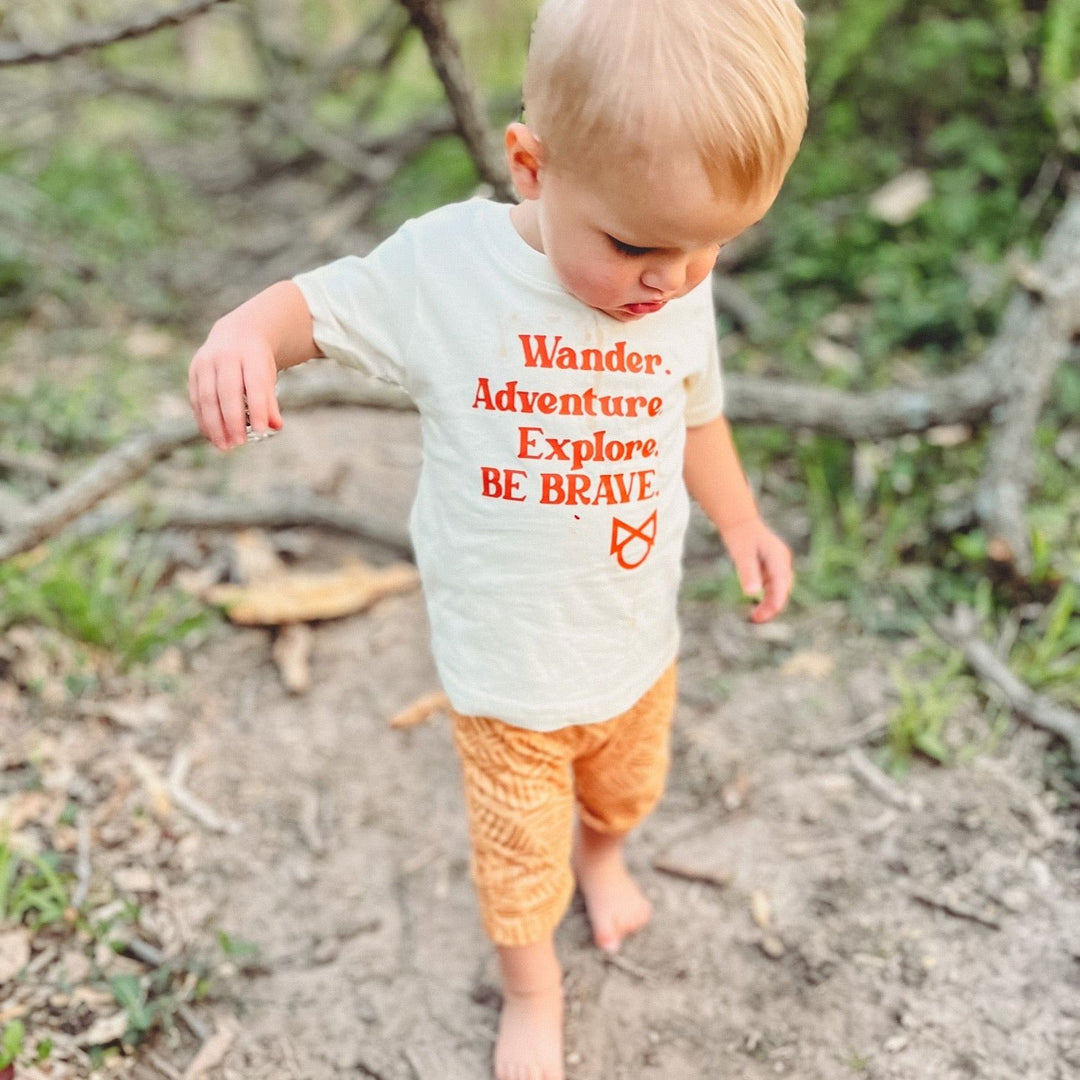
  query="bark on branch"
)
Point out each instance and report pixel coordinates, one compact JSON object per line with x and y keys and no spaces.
{"x":134,"y":458}
{"x":1037,"y":709}
{"x":468,"y":106}
{"x":96,"y":37}
{"x":1048,"y":314}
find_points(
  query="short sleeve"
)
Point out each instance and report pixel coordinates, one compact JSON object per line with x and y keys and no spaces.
{"x":705,"y":388}
{"x":362,"y":308}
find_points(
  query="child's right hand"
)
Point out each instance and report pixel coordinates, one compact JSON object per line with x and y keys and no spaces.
{"x":231,"y":383}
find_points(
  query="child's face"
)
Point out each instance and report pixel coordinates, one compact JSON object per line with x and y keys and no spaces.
{"x":626,"y":242}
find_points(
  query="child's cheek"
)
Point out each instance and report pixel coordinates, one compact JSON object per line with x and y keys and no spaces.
{"x":587,"y":283}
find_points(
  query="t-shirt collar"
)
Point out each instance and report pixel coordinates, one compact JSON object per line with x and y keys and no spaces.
{"x":512,"y":250}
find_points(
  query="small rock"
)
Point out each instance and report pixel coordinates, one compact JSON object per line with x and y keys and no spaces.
{"x":771,"y":946}
{"x":760,"y":909}
{"x":135,"y":879}
{"x":74,"y":966}
{"x":895,"y":1044}
{"x":302,"y":873}
{"x":1015,"y":900}
{"x":898,"y":201}
{"x":325,"y":951}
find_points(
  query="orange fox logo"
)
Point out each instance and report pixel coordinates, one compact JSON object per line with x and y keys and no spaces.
{"x":639,"y":538}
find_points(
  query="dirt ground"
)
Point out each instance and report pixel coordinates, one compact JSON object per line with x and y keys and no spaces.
{"x":810,"y":922}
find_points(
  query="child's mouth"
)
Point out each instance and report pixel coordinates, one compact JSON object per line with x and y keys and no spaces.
{"x":644,"y":309}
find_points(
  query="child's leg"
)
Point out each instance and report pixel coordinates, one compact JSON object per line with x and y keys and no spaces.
{"x":618,"y":783}
{"x":520,"y":803}
{"x":530,"y":1045}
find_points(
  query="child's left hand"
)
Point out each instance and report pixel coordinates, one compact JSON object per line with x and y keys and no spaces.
{"x":763,"y":562}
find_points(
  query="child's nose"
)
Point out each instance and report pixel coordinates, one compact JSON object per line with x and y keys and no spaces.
{"x":666,"y":276}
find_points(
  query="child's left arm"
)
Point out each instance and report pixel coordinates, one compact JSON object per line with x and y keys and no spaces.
{"x":714,"y":477}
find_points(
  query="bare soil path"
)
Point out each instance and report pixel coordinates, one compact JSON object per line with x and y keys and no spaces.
{"x":926,"y":930}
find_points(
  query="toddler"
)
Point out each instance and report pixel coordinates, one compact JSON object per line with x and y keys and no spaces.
{"x":562,"y":354}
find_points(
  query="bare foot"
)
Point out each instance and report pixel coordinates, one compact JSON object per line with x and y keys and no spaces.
{"x":616,"y":905}
{"x":530,"y":1043}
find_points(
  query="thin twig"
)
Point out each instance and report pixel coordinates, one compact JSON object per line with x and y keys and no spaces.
{"x":1036,"y":708}
{"x":881,"y":785}
{"x":616,"y":960}
{"x":958,"y":911}
{"x":162,"y":1066}
{"x":193,"y":806}
{"x":465,"y":101}
{"x":96,"y":37}
{"x":82,"y":863}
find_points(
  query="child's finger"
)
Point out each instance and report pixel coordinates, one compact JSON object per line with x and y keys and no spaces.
{"x":747,"y":569}
{"x":779,"y":580}
{"x":261,"y":400}
{"x":230,"y":395}
{"x":202,"y":389}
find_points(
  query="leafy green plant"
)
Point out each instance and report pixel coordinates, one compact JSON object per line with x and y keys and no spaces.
{"x":131,"y":994}
{"x":105,"y":591}
{"x":32,"y":888}
{"x":917,"y":725}
{"x":1047,"y":654}
{"x":11,"y":1043}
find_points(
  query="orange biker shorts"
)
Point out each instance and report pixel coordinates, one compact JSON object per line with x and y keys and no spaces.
{"x":520,"y":791}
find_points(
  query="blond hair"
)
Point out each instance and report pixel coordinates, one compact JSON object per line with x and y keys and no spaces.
{"x":723,"y":78}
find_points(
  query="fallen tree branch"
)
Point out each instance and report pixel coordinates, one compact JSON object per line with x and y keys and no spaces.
{"x":96,"y":37}
{"x":133,"y":458}
{"x":296,"y":509}
{"x":969,"y":396}
{"x":468,"y":107}
{"x":1049,"y":311}
{"x":1036,"y":708}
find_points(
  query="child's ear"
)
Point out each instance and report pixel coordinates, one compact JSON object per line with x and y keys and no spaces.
{"x":524,"y":156}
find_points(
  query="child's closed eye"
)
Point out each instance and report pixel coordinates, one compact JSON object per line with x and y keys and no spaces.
{"x":628,"y":249}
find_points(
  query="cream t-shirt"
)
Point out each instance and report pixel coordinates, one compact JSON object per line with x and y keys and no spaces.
{"x":550,"y":512}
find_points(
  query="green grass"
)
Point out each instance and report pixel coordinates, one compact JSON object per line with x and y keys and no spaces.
{"x":32,"y":888}
{"x":107,"y":592}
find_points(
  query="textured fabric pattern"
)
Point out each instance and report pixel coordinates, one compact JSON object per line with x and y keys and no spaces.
{"x":520,"y":791}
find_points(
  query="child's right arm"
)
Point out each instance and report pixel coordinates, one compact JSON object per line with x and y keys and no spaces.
{"x":238,"y":363}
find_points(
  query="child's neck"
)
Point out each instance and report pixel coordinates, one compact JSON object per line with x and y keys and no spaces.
{"x":524,"y":219}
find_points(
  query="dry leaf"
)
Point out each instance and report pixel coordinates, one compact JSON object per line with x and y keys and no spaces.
{"x":948,"y":435}
{"x":902,"y":197}
{"x":291,"y":652}
{"x":733,"y":793}
{"x":24,"y":808}
{"x":135,"y":879}
{"x":760,"y":909}
{"x":213,"y":1052}
{"x":104,"y":1030}
{"x":812,"y":665}
{"x":14,"y":953}
{"x":421,"y":709}
{"x":254,"y":558}
{"x":157,"y":791}
{"x":306,"y":597}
